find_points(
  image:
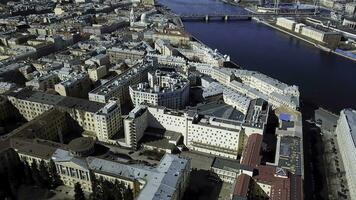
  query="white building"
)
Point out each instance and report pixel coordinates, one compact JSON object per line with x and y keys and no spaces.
{"x":168,"y":89}
{"x":167,"y":180}
{"x":216,"y":136}
{"x":108,"y":120}
{"x":6,"y":86}
{"x":287,"y":23}
{"x":256,"y":85}
{"x":100,"y":119}
{"x":118,"y":87}
{"x":346,"y":137}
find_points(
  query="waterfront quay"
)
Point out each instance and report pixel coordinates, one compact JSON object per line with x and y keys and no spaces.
{"x":317,"y":43}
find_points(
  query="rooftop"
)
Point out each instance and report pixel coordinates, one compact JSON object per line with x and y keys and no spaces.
{"x":159,"y":183}
{"x":56,"y":100}
{"x":251,"y":155}
{"x":241,"y":187}
{"x":229,"y":164}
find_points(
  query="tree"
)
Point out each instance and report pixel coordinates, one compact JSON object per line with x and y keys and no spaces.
{"x":78,"y":192}
{"x":108,"y":187}
{"x":97,"y":193}
{"x":118,"y":192}
{"x":43,"y":172}
{"x":128,"y":194}
{"x":28,"y":178}
{"x":5,"y":189}
{"x":36,"y":173}
{"x":55,"y":178}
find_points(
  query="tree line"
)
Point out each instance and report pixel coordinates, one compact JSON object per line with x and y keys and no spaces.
{"x":45,"y":176}
{"x":39,"y":174}
{"x":106,"y":190}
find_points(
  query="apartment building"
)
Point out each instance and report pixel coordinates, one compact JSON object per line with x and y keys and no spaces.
{"x":164,"y":88}
{"x":118,"y":87}
{"x":346,"y":133}
{"x":44,"y":82}
{"x":77,"y":86}
{"x":216,"y":136}
{"x":103,"y":120}
{"x":256,"y":85}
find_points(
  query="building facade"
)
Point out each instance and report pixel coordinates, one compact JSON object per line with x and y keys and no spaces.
{"x":346,"y":136}
{"x":168,"y":89}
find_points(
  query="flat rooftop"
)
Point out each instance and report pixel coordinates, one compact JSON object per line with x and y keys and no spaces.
{"x":220,"y":110}
{"x":57,"y":100}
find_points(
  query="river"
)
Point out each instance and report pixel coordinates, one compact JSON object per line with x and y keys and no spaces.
{"x":325,"y":79}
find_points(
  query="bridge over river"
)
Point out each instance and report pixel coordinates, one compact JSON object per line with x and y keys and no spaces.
{"x":239,"y":16}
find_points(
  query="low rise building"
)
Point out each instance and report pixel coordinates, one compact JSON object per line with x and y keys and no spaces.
{"x":288,"y":23}
{"x":229,"y":170}
{"x":167,"y":180}
{"x":329,"y":38}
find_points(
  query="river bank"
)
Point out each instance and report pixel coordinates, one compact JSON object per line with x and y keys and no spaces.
{"x":325,"y":79}
{"x":339,"y":53}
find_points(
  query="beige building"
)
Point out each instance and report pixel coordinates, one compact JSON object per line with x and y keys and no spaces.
{"x":102,"y":120}
{"x":77,"y":86}
{"x":119,"y":54}
{"x":96,"y":73}
{"x":43,"y":82}
{"x":34,"y":150}
{"x":331,"y":39}
{"x":288,"y":23}
{"x":167,"y":180}
{"x":174,"y":36}
{"x":50,"y":125}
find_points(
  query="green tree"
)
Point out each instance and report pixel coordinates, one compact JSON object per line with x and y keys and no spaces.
{"x":128,"y":194}
{"x":5,"y":189}
{"x":36,"y":173}
{"x":55,"y":178}
{"x":78,"y":192}
{"x":118,"y":191}
{"x":97,"y":193}
{"x":108,"y":188}
{"x":28,"y":178}
{"x":43,"y":171}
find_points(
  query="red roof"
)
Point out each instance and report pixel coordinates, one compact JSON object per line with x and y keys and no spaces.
{"x":251,"y":155}
{"x":280,"y":186}
{"x":241,"y":186}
